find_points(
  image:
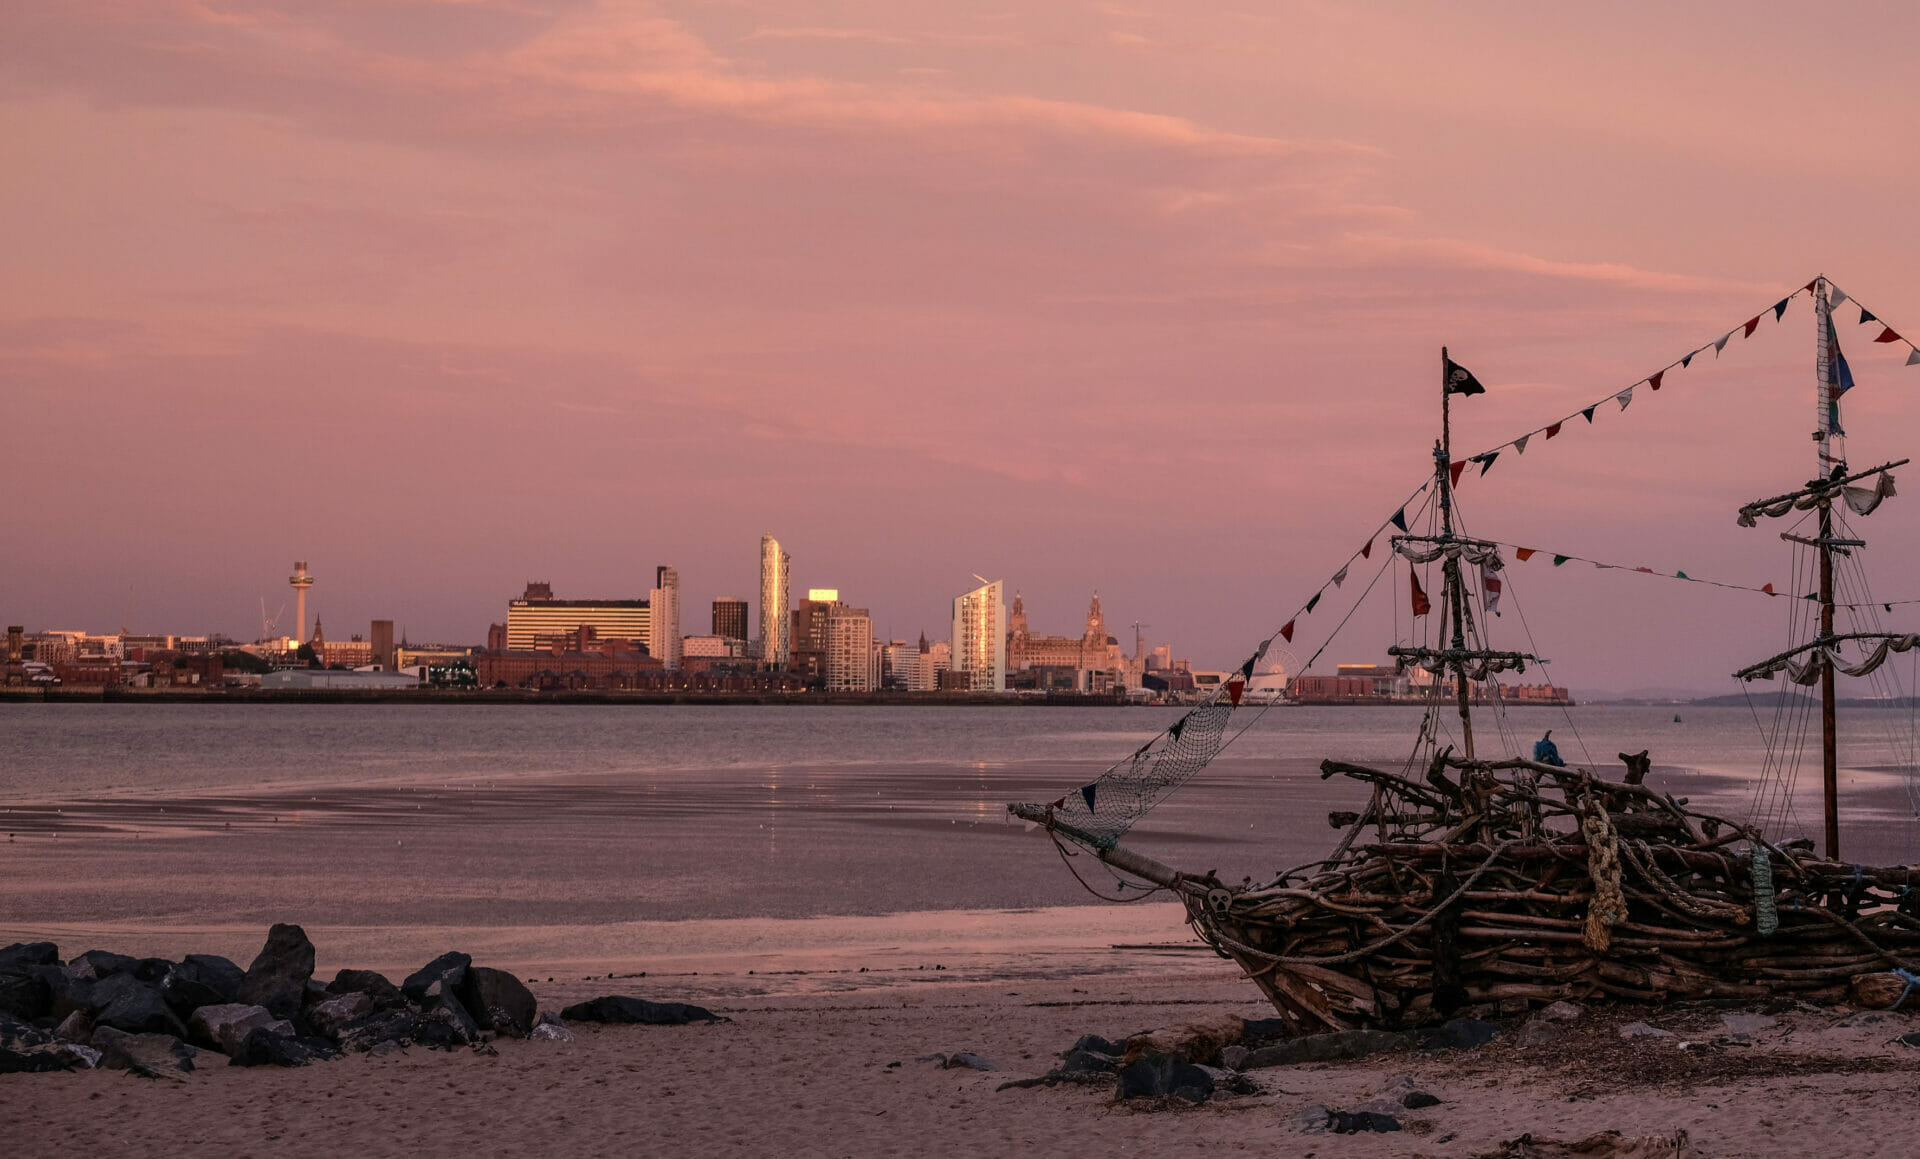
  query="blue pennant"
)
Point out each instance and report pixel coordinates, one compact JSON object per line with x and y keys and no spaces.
{"x":1088,"y":791}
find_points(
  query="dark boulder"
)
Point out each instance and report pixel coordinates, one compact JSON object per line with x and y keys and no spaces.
{"x":328,"y":1017}
{"x":499,"y":1001}
{"x":202,"y":980}
{"x":33,"y":1060}
{"x":445,"y":1024}
{"x":20,"y":955}
{"x":1096,"y":1044}
{"x":262,"y":1047}
{"x":1165,"y":1075}
{"x":1087,"y":1062}
{"x":383,"y":994}
{"x":448,"y":971}
{"x":1354,"y":1122}
{"x":1334,"y":1047}
{"x":66,"y":990}
{"x":397,"y":1026}
{"x":278,"y":977}
{"x":1461,"y":1034}
{"x":149,"y":1055}
{"x":226,"y":1026}
{"x":15,"y":1032}
{"x":100,"y":964}
{"x":24,"y":993}
{"x":618,"y":1008}
{"x":124,"y":1002}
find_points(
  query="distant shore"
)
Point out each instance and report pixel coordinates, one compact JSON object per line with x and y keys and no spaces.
{"x":457,"y":696}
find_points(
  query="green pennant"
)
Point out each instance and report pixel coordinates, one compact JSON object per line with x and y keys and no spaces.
{"x":1560,"y":559}
{"x":1681,"y":575}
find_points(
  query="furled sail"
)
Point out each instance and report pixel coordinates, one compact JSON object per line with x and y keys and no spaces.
{"x":1859,"y":500}
{"x":1427,"y":548}
{"x":1804,"y":665}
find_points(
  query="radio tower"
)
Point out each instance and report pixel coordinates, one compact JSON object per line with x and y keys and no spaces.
{"x":301,"y":581}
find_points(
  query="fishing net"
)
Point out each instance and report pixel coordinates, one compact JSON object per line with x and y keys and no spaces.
{"x":1105,"y":808}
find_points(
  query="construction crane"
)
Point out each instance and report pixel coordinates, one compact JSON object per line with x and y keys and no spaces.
{"x":269,"y":623}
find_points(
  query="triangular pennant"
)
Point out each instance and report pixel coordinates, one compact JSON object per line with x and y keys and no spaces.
{"x":1587,"y":414}
{"x":1553,"y":430}
{"x":1286,"y":632}
{"x":1340,"y":577}
{"x":1312,"y":602}
{"x":1624,"y":397}
{"x":1913,"y":359}
{"x":1246,"y":669}
{"x":1060,"y":804}
{"x":1753,"y":324}
{"x":1453,"y":472}
{"x":1780,"y":309}
{"x":1520,"y":444}
{"x":1234,"y":690}
{"x":1866,"y":316}
{"x":1486,"y":460}
{"x":1648,"y":570}
{"x":1687,"y":359}
{"x":1681,"y":575}
{"x":1721,"y":344}
{"x":1421,"y":605}
{"x":1176,"y":728}
{"x":1654,"y":382}
{"x":1367,"y":551}
{"x":1088,"y":791}
{"x":1768,"y":588}
{"x":1560,"y":559}
{"x":1839,"y":296}
{"x":1887,"y":335}
{"x":1523,"y":554}
{"x":1400,"y":519}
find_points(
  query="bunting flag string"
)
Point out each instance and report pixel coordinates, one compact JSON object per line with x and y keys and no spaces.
{"x":1523,"y":554}
{"x":1657,"y":379}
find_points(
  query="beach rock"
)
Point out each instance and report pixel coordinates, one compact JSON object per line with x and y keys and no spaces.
{"x":383,"y":994}
{"x":68,"y":989}
{"x":278,"y":977}
{"x":395,"y":1027}
{"x":548,"y":1028}
{"x":1314,"y":1120}
{"x":226,"y":1027}
{"x":202,"y":980}
{"x":967,"y":1060}
{"x":499,"y":1001}
{"x":447,"y":970}
{"x":264,"y":1047}
{"x":1561,"y":1011}
{"x":1334,"y":1047}
{"x":1537,"y":1031}
{"x":124,"y":1002}
{"x":1234,"y":1057}
{"x":1164,"y":1076}
{"x":1642,"y":1030}
{"x":148,"y":1055}
{"x":1354,"y":1122}
{"x":446,"y":1023}
{"x":1087,"y":1062}
{"x":1876,"y":991}
{"x":32,"y":1060}
{"x":328,"y":1017}
{"x":1400,"y":1094}
{"x":621,"y":1009}
{"x":23,"y":992}
{"x":1198,"y":1041}
{"x":1260,"y":1031}
{"x":1461,"y":1034}
{"x":75,"y":1027}
{"x":100,"y":964}
{"x":16,"y":1033}
{"x":1096,"y":1044}
{"x":1742,"y":1027}
{"x":1911,"y":1038}
{"x":77,"y":1056}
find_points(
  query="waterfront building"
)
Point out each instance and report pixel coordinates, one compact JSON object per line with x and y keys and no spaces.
{"x":730,"y":618}
{"x":775,"y":643}
{"x":334,"y":680}
{"x":537,"y":620}
{"x":929,"y":662}
{"x":851,"y":661}
{"x":896,"y":664}
{"x":383,"y":650}
{"x":980,"y":636}
{"x":1094,"y":654}
{"x":663,"y":623}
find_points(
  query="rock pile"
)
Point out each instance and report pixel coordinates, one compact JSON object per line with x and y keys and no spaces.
{"x":157,"y":1017}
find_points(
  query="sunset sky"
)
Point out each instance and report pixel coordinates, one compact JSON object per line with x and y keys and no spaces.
{"x":444,"y":296}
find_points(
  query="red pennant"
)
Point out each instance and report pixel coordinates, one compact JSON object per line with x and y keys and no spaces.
{"x":1421,"y":605}
{"x":1367,"y":551}
{"x":1753,"y":323}
{"x":1654,"y":382}
{"x":1553,"y":430}
{"x":1454,"y":469}
{"x":1768,"y":589}
{"x":1810,"y":285}
{"x":1887,"y":335}
{"x":1648,"y":570}
{"x":1286,"y":633}
{"x":1523,"y":554}
{"x":1234,"y":689}
{"x":1060,"y":804}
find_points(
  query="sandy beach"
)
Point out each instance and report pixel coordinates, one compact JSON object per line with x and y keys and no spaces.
{"x":816,"y":1074}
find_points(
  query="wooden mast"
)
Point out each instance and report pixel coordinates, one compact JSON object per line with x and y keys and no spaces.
{"x":1830,"y":468}
{"x":1450,"y":565}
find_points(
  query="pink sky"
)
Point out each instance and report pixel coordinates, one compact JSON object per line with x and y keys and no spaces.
{"x":446,"y":296}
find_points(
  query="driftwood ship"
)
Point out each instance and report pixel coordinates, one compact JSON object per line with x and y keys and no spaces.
{"x":1467,"y":880}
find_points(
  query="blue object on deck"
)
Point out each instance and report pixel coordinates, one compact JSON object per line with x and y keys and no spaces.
{"x":1547,"y":753}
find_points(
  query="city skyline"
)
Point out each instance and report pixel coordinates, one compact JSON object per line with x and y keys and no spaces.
{"x":1150,"y":298}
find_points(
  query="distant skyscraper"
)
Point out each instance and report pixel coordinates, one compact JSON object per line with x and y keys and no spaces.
{"x":851,"y":660}
{"x":775,"y":644}
{"x":730,"y":618}
{"x":980,"y":636}
{"x":537,"y":620}
{"x":383,"y":644}
{"x":663,"y":625}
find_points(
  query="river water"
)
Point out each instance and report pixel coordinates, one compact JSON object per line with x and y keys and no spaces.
{"x":628,"y":838}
